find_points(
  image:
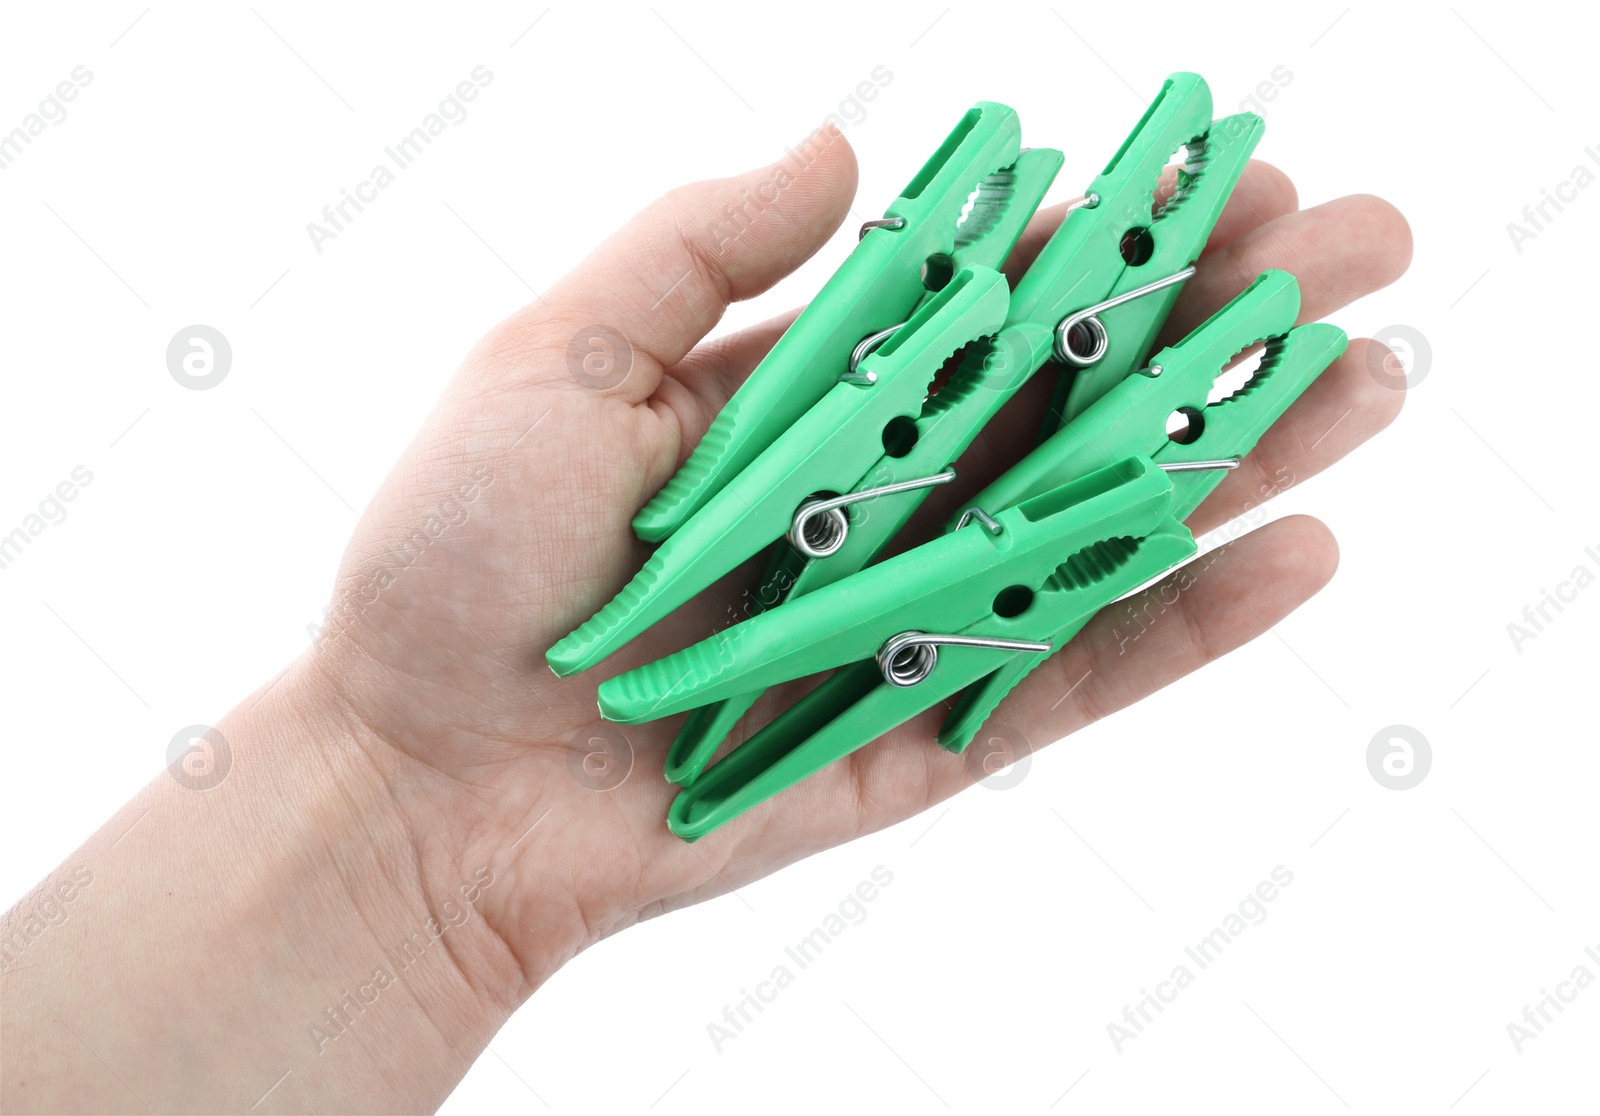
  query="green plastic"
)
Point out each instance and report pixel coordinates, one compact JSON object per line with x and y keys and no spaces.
{"x":949,"y":584}
{"x":1132,"y":418}
{"x":828,"y":448}
{"x":878,"y":286}
{"x":1084,"y":255}
{"x":1219,"y":153}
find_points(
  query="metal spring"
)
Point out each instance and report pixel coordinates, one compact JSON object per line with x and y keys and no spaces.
{"x":820,"y":526}
{"x":820,"y":533}
{"x":909,"y":658}
{"x":1081,"y":338}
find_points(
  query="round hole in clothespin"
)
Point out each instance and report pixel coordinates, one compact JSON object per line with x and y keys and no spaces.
{"x":900,"y":436}
{"x":937,"y":271}
{"x":1137,"y":246}
{"x":1185,"y":425}
{"x":1012,"y":601}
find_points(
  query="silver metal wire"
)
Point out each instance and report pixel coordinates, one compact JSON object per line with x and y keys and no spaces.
{"x":1199,"y":466}
{"x":865,"y":348}
{"x":881,"y":223}
{"x":990,"y":523}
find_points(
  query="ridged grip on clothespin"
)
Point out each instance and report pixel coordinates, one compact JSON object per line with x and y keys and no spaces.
{"x":827,"y":449}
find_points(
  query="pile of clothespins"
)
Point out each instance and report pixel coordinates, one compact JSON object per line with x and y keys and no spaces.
{"x":835,"y":440}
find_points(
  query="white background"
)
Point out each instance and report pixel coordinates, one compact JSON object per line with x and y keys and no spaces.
{"x":1019,"y":922}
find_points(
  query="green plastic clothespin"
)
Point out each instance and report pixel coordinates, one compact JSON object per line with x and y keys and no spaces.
{"x":920,"y":241}
{"x":1060,"y":300}
{"x":1142,"y":257}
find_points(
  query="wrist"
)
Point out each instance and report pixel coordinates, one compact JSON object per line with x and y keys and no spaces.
{"x":339,"y":807}
{"x":358,"y":974}
{"x":272,"y":918}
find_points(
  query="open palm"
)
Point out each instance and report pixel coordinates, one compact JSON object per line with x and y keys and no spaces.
{"x":506,"y":524}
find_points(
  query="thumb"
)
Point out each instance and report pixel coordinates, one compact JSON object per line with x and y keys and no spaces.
{"x":662,"y":282}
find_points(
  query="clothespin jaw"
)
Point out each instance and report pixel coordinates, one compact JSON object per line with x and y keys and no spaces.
{"x":1133,"y":415}
{"x":1237,"y":423}
{"x":1121,"y":197}
{"x":921,"y":241}
{"x":1148,"y":255}
{"x":956,"y":583}
{"x":827,"y":449}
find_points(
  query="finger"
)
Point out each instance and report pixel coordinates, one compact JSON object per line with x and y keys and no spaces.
{"x":1197,"y":614}
{"x":1262,"y":193}
{"x":1341,"y":409}
{"x":1265,"y":193}
{"x":663,"y":280}
{"x":1338,"y":251}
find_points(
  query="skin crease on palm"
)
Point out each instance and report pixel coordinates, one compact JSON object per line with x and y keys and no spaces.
{"x":431,"y":723}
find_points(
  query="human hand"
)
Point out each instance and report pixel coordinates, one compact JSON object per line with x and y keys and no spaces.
{"x":421,"y":764}
{"x":506,"y":524}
